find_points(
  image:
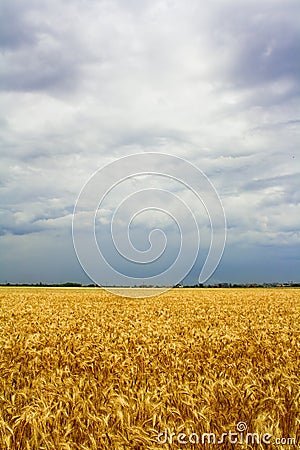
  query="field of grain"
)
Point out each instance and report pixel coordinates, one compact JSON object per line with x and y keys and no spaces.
{"x":84,"y":369}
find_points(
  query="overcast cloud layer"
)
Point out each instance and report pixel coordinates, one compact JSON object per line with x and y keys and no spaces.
{"x":84,"y":82}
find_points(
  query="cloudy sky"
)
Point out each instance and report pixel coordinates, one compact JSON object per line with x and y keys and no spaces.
{"x":85,"y":82}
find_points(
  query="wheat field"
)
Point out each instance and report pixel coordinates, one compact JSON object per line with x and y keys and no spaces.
{"x":85,"y":369}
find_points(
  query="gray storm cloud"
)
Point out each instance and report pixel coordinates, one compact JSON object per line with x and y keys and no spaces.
{"x":83,"y":83}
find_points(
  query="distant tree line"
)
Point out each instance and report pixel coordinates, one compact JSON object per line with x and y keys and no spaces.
{"x":179,"y":285}
{"x":239,"y":285}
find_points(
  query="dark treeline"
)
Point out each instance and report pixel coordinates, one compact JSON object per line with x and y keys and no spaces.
{"x":194,"y":286}
{"x":68,"y":284}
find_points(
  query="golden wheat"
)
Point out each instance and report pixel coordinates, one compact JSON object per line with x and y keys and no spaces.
{"x":84,"y":369}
